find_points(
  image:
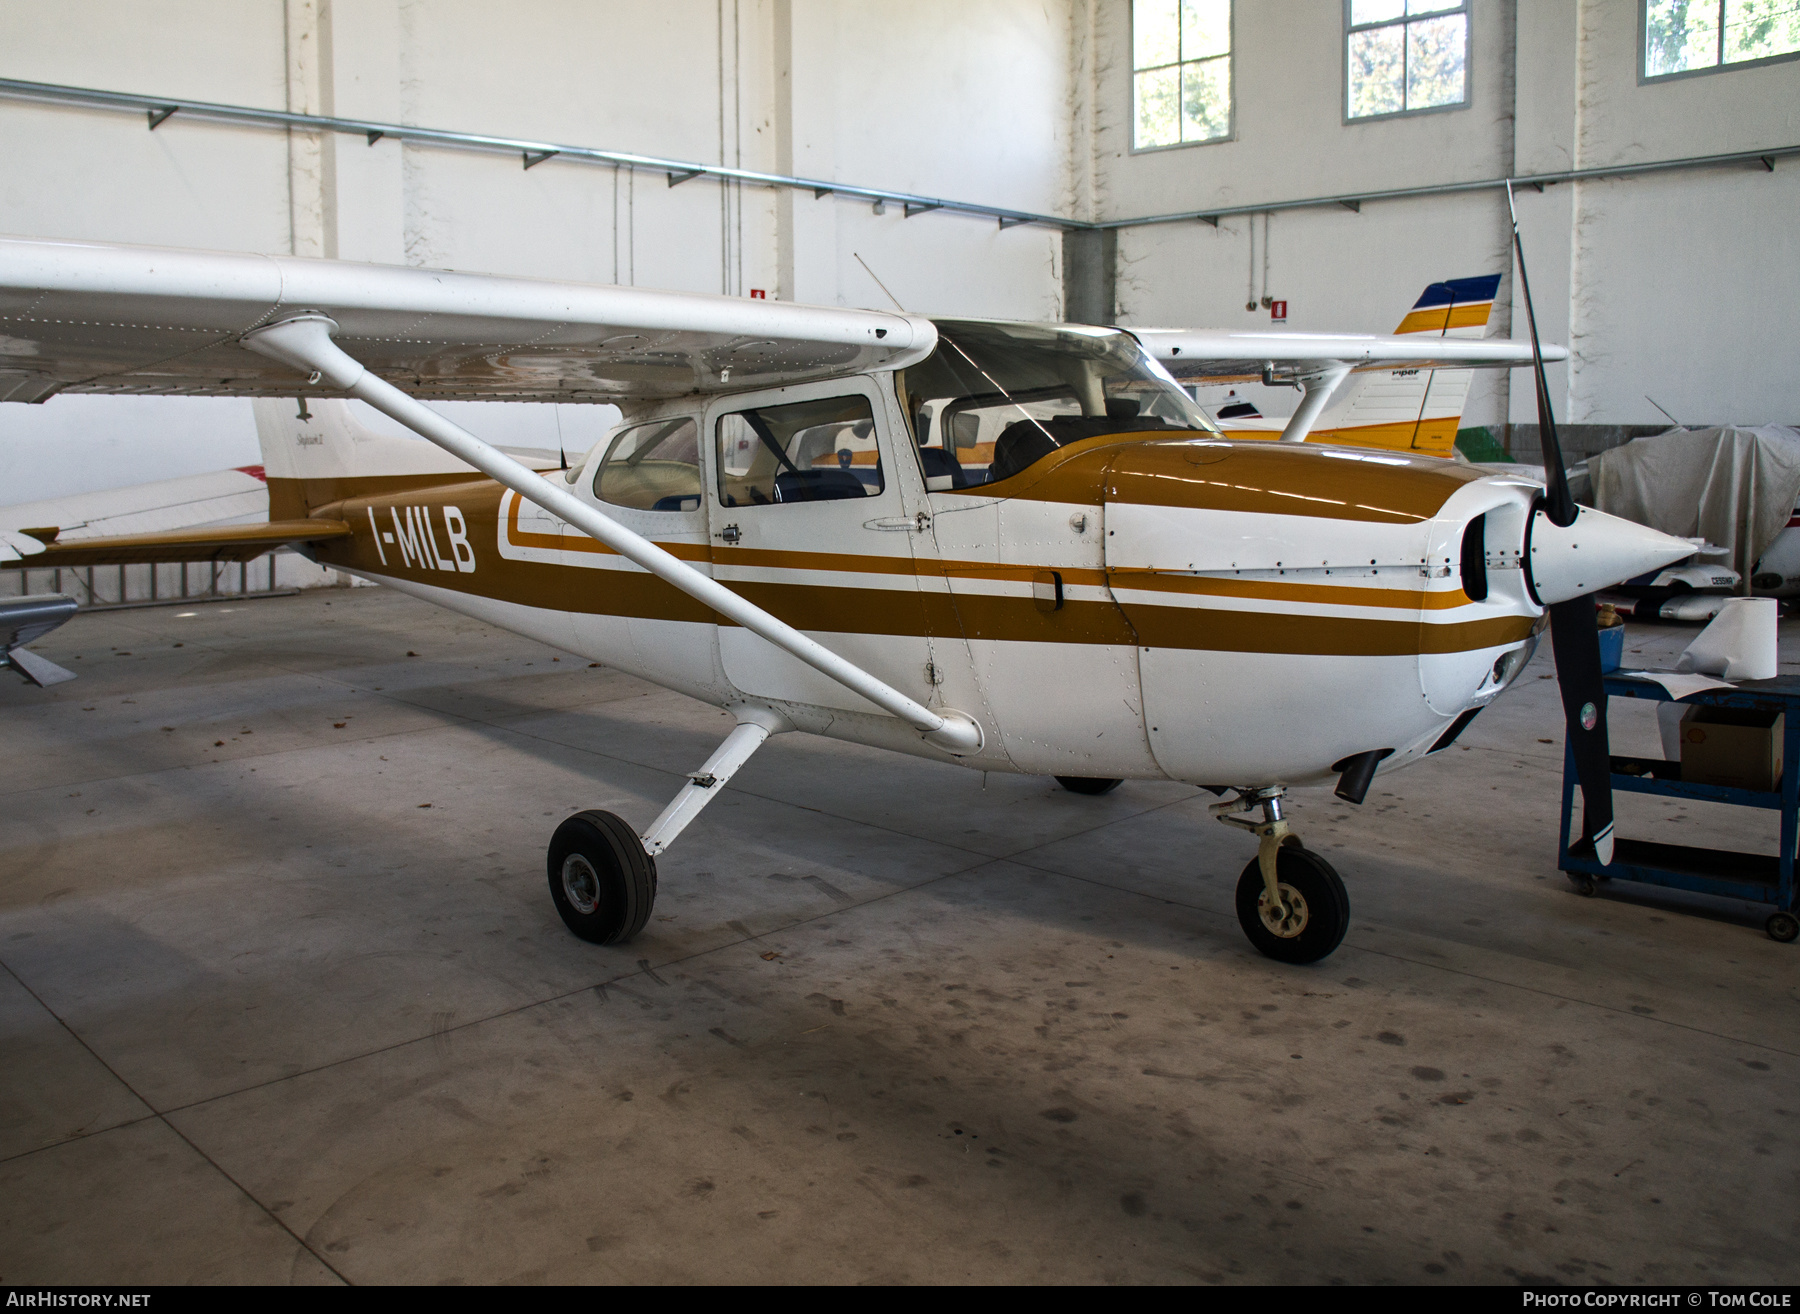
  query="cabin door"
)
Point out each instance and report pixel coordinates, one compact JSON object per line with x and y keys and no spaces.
{"x":812,"y":520}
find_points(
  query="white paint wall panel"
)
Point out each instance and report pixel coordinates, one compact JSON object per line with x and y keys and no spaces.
{"x":1686,"y":291}
{"x":231,"y":51}
{"x":1291,"y":139}
{"x":850,"y":93}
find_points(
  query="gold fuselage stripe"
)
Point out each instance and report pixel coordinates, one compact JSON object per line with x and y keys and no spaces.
{"x":1262,"y":479}
{"x":1347,"y":595}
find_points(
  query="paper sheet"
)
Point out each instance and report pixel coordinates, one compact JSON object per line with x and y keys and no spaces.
{"x":1676,"y":684}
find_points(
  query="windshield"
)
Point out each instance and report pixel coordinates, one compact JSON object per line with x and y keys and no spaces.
{"x":994,"y":398}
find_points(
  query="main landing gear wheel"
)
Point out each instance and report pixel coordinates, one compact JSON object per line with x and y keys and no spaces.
{"x":1088,"y":784}
{"x":1316,"y":907}
{"x":601,"y":880}
{"x":1782,"y":926}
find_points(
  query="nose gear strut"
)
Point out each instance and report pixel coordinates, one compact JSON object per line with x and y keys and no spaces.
{"x":1290,"y":902}
{"x":1271,"y":832}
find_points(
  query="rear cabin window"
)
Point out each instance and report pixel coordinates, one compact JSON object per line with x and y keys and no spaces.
{"x":653,"y":467}
{"x":994,"y":398}
{"x":811,"y":451}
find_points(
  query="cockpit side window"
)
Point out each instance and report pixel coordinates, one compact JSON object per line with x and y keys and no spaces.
{"x":653,"y":467}
{"x":810,"y":451}
{"x":994,"y":398}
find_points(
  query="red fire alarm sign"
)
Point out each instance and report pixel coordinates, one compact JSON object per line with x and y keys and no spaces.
{"x":758,"y":294}
{"x":1278,"y":311}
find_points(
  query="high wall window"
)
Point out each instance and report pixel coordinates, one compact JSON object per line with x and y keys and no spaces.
{"x":1402,"y":56}
{"x":1691,"y":36}
{"x":1181,"y":72}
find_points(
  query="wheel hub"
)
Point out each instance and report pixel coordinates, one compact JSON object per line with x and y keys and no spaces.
{"x":1286,"y":921}
{"x":581,"y":883}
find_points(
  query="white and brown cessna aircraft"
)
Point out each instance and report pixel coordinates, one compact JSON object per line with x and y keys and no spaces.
{"x":783,"y":527}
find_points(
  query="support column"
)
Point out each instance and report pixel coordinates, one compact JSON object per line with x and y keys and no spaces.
{"x":311,"y":203}
{"x":1090,"y":272}
{"x":361,"y":43}
{"x":805,"y":89}
{"x":1546,"y":139}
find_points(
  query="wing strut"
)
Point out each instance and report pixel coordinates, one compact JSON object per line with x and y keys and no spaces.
{"x":1316,"y":387}
{"x":304,"y":342}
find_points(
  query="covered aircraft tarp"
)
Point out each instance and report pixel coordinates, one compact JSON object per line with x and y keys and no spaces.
{"x":1734,"y":486}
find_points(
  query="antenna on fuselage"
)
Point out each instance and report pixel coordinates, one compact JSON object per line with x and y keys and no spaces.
{"x":1665,"y":410}
{"x":878,"y":283}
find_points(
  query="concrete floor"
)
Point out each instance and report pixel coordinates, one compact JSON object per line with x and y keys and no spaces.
{"x":284,"y":1000}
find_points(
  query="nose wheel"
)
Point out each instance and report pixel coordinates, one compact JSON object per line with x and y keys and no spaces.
{"x":1308,"y":918}
{"x":1290,"y":901}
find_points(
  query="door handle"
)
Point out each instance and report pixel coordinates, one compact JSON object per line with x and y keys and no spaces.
{"x":916,"y":524}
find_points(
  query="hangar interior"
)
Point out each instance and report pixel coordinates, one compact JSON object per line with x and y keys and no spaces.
{"x":283,"y":999}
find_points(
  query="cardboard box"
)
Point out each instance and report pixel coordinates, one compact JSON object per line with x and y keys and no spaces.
{"x":1732,"y":746}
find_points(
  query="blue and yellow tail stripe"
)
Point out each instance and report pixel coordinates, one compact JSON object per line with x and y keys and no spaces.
{"x":1454,"y":303}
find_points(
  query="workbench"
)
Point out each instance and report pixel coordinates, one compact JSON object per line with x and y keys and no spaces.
{"x":1754,"y":877}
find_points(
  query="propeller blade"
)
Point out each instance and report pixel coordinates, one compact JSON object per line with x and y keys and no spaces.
{"x":1559,"y":505}
{"x":1575,"y":623}
{"x":1575,"y":639}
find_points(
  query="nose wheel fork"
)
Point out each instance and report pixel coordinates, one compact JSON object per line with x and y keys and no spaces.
{"x":1290,"y":901}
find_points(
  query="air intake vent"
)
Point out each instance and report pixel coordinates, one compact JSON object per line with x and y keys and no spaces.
{"x":1474,"y":559}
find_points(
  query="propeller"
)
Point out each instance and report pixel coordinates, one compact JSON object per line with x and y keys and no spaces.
{"x":1574,"y":623}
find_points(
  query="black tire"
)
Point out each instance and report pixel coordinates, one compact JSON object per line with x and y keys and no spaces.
{"x":1325,"y":908}
{"x":1783,"y":926}
{"x":602,"y":882}
{"x":1585,"y":885}
{"x":1088,"y":784}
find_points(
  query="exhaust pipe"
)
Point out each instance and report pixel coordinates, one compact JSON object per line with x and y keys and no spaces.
{"x":1358,"y":774}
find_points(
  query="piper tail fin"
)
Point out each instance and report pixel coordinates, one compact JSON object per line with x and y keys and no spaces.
{"x":1417,"y":410}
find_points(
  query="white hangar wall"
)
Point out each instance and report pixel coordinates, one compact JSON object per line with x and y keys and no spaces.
{"x":941,"y":98}
{"x":1682,"y":286}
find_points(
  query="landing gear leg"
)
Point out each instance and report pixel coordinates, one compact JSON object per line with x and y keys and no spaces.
{"x":603,"y":876}
{"x":1290,"y":901}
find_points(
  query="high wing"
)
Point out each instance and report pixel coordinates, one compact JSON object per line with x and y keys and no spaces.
{"x":1317,"y":363}
{"x":1221,"y":356}
{"x":87,"y":317}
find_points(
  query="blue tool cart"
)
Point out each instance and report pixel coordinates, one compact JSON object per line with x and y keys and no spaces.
{"x":1754,"y":877}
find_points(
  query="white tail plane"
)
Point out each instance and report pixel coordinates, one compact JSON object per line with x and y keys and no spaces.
{"x":1415,"y":410}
